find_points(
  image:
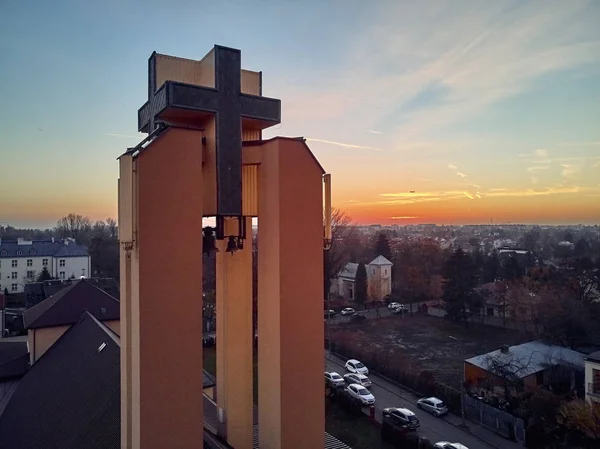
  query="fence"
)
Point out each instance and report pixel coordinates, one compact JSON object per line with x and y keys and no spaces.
{"x":505,"y":424}
{"x":495,"y":321}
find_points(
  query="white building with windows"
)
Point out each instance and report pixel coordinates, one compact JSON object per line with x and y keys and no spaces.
{"x":21,"y":261}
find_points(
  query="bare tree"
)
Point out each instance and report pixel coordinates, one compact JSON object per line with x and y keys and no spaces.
{"x":581,"y":417}
{"x":509,"y":368}
{"x":111,"y":224}
{"x":342,"y":230}
{"x":74,"y":226}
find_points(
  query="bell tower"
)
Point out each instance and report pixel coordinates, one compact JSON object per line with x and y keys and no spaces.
{"x":204,"y":157}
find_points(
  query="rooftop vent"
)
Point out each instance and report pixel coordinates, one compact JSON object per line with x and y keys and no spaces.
{"x":101,"y":347}
{"x":103,"y":310}
{"x":504,"y":349}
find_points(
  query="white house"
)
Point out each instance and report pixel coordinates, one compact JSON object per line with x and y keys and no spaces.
{"x":21,"y":261}
{"x":592,"y":377}
{"x":379,"y":278}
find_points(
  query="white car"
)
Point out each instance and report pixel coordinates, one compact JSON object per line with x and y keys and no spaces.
{"x":334,"y":379}
{"x":354,"y":366}
{"x":448,"y":445}
{"x":393,"y":305}
{"x":433,"y":405}
{"x":348,"y":311}
{"x":355,"y":378}
{"x":360,"y":393}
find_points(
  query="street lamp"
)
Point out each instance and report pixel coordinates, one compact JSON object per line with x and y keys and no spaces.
{"x":462,"y":383}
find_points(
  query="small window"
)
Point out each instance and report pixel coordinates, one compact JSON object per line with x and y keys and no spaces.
{"x":61,"y":263}
{"x":13,"y":275}
{"x":61,"y":275}
{"x":29,"y":262}
{"x":45,"y":262}
{"x":32,"y":252}
{"x":14,"y":263}
{"x":19,"y":253}
{"x":13,"y":287}
{"x":103,"y":310}
{"x":30,"y":274}
{"x":4,"y":253}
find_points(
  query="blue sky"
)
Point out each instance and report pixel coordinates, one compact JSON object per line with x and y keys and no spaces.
{"x":483,"y":108}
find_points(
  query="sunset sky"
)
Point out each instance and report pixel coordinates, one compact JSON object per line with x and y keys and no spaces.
{"x":486,"y":110}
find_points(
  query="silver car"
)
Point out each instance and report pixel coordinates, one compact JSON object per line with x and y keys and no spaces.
{"x":433,"y":405}
{"x":357,"y":378}
{"x":334,"y":379}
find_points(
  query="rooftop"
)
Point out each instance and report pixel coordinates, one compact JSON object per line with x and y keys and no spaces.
{"x":594,"y":357}
{"x":79,"y":381}
{"x":66,"y":306}
{"x":528,"y":358}
{"x":40,"y":248}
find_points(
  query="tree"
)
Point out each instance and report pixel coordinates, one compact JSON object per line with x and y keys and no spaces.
{"x":75,"y":226}
{"x":361,"y":284}
{"x":460,"y":279}
{"x":508,"y":368}
{"x":382,"y":246}
{"x":581,"y":417}
{"x":338,"y":255}
{"x":44,"y":275}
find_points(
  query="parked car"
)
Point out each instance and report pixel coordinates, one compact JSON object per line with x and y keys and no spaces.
{"x":354,"y":366}
{"x":393,"y":305}
{"x":360,"y":393}
{"x":401,"y":417}
{"x":348,"y":311}
{"x":400,"y":309}
{"x":356,"y":378}
{"x":357,"y":318}
{"x":433,"y":405}
{"x":447,"y":445}
{"x":329,"y":313}
{"x":334,"y":379}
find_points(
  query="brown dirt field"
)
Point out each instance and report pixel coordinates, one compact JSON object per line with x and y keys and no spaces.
{"x":422,"y":343}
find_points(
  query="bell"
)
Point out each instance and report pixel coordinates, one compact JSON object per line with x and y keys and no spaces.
{"x":231,"y":245}
{"x":208,"y":241}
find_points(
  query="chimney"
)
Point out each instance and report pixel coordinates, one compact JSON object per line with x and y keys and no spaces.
{"x":52,"y":239}
{"x":504,"y":349}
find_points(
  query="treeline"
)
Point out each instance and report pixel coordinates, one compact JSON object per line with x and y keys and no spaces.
{"x":101,"y":238}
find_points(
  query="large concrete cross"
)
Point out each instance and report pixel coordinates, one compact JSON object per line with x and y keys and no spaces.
{"x":228,"y":104}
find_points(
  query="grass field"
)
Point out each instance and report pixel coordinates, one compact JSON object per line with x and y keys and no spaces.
{"x":420,"y":342}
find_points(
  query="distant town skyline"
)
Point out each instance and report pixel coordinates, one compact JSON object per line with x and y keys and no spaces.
{"x":424,"y":112}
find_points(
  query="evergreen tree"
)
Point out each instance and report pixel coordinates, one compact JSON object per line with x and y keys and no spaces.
{"x":44,"y":275}
{"x":382,"y":247}
{"x":360,"y":284}
{"x":460,"y":280}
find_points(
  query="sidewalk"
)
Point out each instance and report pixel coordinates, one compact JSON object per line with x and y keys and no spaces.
{"x":480,"y":432}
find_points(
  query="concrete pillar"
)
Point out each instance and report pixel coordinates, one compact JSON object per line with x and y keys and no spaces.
{"x":234,"y":339}
{"x":163,"y":356}
{"x":291,"y":401}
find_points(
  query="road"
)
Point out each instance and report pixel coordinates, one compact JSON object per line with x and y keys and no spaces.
{"x":435,"y":429}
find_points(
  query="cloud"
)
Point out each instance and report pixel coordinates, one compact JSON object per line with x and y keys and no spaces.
{"x":537,"y":168}
{"x":542,"y":152}
{"x":542,"y":192}
{"x":534,"y":180}
{"x":570,"y":170}
{"x":480,"y":56}
{"x":374,"y":132}
{"x":452,"y":167}
{"x":462,"y":175}
{"x":468,"y":195}
{"x":343,"y":145}
{"x":403,"y":218}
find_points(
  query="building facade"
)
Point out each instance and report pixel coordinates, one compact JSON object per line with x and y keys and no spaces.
{"x":379,"y":278}
{"x":21,"y":261}
{"x":592,"y":378}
